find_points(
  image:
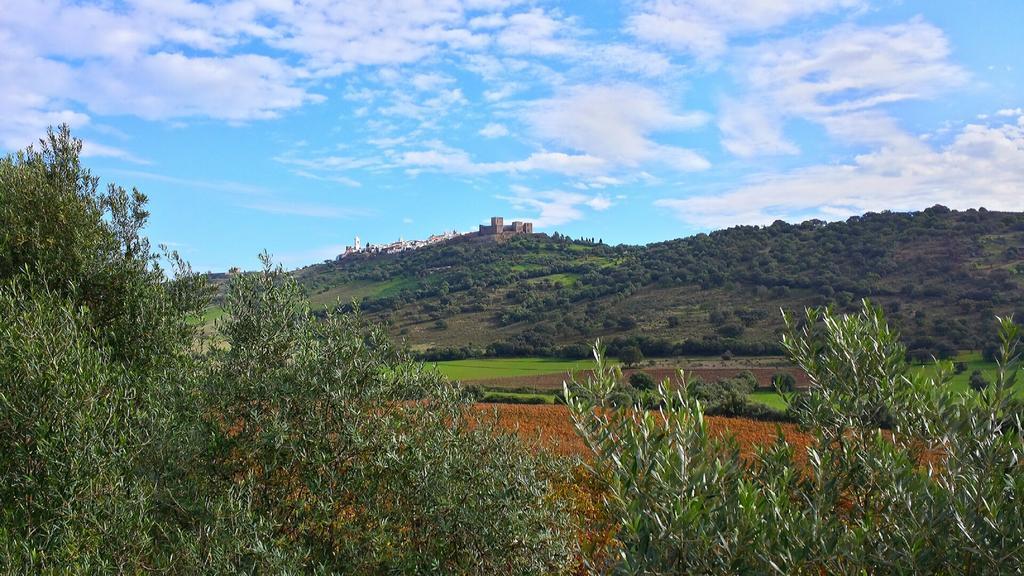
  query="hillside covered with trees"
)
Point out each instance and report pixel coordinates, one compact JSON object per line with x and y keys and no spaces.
{"x":941,"y":276}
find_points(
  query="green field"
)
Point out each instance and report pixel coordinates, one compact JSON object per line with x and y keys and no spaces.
{"x":974,"y":361}
{"x":484,"y":368}
{"x":359,"y":290}
{"x":565,"y":279}
{"x":770,"y":399}
{"x":492,"y":368}
{"x":212,"y":314}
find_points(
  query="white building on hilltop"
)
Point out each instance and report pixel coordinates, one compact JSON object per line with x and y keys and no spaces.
{"x":400,"y":246}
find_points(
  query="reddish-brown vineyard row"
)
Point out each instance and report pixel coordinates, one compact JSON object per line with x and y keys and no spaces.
{"x":549,"y":425}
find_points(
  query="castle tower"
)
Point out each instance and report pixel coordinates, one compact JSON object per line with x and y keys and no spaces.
{"x":356,"y":244}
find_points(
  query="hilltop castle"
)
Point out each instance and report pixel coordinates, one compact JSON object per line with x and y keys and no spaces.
{"x":497,"y":228}
{"x":495,"y":231}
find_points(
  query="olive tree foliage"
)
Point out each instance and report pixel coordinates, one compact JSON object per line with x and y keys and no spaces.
{"x":85,"y":246}
{"x":939,"y":492}
{"x":373,"y":463}
{"x":131,"y":442}
{"x":94,"y":354}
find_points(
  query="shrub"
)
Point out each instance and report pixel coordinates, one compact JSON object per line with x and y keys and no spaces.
{"x":745,"y":381}
{"x":473,"y":392}
{"x":641,"y":381}
{"x":499,"y":398}
{"x":978,"y":381}
{"x":631,"y":356}
{"x":681,"y":501}
{"x":730,"y":330}
{"x":784,"y":381}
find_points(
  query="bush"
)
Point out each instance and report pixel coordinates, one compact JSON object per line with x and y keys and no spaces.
{"x":641,"y":381}
{"x":978,"y":381}
{"x":730,"y":330}
{"x":683,"y":501}
{"x":473,"y":392}
{"x":631,"y":356}
{"x":499,"y":398}
{"x":784,"y":381}
{"x":744,"y":381}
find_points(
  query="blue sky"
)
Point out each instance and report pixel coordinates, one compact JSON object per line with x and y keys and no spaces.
{"x":294,"y":125}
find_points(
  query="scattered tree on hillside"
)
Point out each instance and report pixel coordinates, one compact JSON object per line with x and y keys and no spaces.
{"x":631,"y":356}
{"x":977,"y":381}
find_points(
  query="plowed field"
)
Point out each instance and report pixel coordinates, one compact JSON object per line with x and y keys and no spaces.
{"x":549,"y":425}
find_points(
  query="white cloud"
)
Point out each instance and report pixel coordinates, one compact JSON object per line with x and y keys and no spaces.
{"x":704,"y":27}
{"x":599,"y":203}
{"x":438,"y":104}
{"x":487,"y":22}
{"x":91,"y":149}
{"x":172,"y":85}
{"x":430,"y":81}
{"x":343,"y":180}
{"x":331,"y":163}
{"x":537,"y":33}
{"x":502,"y":92}
{"x":163,"y":60}
{"x":494,"y":130}
{"x":615,"y":123}
{"x":327,"y":168}
{"x":442,"y":158}
{"x":851,"y":68}
{"x":981,"y":166}
{"x":217,"y":185}
{"x":598,"y":182}
{"x":626,"y":59}
{"x":554,"y":207}
{"x":337,"y":36}
{"x":749,"y":129}
{"x":841,"y":79}
{"x":1011,"y":112}
{"x":30,"y":99}
{"x":561,"y":163}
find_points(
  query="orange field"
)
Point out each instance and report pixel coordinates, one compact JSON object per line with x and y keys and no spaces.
{"x":549,"y":425}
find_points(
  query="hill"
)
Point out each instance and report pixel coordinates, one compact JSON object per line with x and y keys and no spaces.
{"x":941,"y":275}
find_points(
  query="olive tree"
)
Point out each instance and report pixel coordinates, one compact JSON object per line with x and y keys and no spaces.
{"x":938,"y":490}
{"x":131,"y":441}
